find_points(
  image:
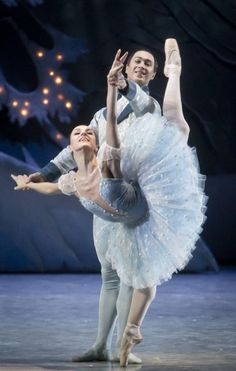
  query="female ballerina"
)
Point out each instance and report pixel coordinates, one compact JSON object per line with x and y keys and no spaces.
{"x":148,"y":194}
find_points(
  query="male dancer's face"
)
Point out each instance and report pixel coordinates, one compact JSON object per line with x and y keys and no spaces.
{"x":141,"y":68}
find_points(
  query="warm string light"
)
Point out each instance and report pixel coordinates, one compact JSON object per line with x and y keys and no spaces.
{"x":59,"y":57}
{"x":58,"y":80}
{"x":23,"y":108}
{"x":68,"y":105}
{"x":15,"y":103}
{"x":45,"y":91}
{"x":24,"y":112}
{"x":40,"y":54}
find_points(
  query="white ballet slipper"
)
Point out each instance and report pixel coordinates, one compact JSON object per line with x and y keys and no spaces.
{"x":130,"y":338}
{"x":173,"y":60}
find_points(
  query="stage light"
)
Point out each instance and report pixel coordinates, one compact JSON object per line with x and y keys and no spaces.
{"x":45,"y":101}
{"x":51,"y":73}
{"x":45,"y":91}
{"x":40,"y":54}
{"x":68,"y":105}
{"x":1,"y":89}
{"x":24,"y":112}
{"x":58,"y":80}
{"x":26,"y":103}
{"x":59,"y":57}
{"x":15,"y":103}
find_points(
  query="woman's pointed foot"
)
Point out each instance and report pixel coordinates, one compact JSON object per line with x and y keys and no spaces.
{"x":132,"y":359}
{"x":173,"y":60}
{"x":130,"y":338}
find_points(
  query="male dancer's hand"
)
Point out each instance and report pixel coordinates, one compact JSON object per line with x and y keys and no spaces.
{"x":36,"y":178}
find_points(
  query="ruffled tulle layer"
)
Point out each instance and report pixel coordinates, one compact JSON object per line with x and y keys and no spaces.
{"x":155,"y":154}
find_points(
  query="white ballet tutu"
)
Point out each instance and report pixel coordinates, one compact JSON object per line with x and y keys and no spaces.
{"x":155,"y":154}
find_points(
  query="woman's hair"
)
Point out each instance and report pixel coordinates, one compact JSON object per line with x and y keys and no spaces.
{"x":133,"y":51}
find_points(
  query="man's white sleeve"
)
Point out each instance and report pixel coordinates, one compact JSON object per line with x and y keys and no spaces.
{"x":64,"y":161}
{"x":140,"y":101}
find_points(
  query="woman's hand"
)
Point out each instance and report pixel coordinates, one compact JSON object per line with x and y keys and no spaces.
{"x":22,"y":182}
{"x":115,"y":76}
{"x":46,"y":188}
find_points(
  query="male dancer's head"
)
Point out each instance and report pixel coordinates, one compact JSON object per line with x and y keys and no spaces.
{"x":141,"y":67}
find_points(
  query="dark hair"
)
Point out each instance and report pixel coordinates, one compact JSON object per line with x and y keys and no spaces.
{"x":133,"y":51}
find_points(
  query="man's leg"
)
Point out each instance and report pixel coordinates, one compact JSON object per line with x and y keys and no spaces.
{"x":114,"y":299}
{"x":107,"y":314}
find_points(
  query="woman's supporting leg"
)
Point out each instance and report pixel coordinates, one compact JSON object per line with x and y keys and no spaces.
{"x":141,"y":301}
{"x":123,"y":308}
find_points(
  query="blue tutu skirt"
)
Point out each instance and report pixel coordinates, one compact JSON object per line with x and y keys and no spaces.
{"x":155,"y":154}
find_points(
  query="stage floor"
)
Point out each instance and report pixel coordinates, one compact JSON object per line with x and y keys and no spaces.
{"x":47,"y":319}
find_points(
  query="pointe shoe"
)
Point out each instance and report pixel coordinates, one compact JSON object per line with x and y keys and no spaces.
{"x":173,"y":60}
{"x":131,"y":337}
{"x":132,"y":359}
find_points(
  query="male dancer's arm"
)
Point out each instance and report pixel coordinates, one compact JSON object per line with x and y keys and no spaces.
{"x":139,"y":100}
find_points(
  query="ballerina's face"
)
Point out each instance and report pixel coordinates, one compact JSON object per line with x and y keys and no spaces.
{"x":82,"y":136}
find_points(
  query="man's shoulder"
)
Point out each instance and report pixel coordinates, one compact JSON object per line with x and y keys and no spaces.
{"x":98,"y":117}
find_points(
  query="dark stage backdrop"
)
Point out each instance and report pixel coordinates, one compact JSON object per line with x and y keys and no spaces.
{"x":95,"y":29}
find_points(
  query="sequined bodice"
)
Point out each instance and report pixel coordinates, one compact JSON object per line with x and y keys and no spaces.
{"x":95,"y":209}
{"x":89,"y":192}
{"x":116,"y":200}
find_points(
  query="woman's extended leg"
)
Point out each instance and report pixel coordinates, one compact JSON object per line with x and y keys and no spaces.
{"x":172,"y":104}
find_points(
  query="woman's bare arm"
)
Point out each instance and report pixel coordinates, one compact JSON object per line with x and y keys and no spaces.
{"x":45,"y":188}
{"x":112,"y":138}
{"x":111,"y":163}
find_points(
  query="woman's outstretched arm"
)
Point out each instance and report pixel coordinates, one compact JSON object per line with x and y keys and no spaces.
{"x":44,"y":187}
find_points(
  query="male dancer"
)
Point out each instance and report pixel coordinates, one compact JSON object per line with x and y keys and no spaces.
{"x":115,"y":296}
